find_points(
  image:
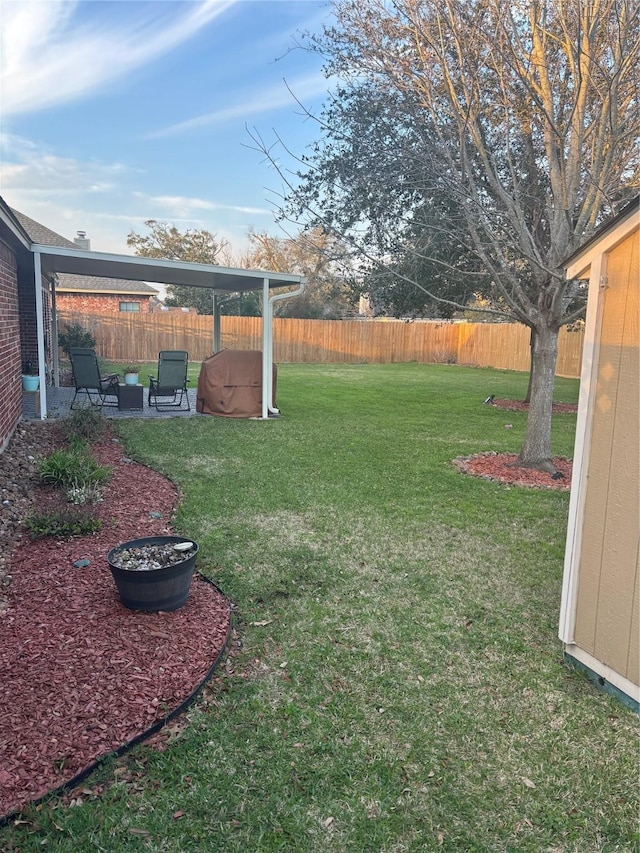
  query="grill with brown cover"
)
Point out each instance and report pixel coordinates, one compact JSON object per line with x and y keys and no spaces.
{"x":230,"y":384}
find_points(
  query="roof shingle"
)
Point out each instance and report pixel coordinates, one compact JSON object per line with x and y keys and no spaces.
{"x":78,"y":283}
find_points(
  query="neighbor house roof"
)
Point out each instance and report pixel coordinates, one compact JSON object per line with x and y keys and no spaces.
{"x":69,"y":283}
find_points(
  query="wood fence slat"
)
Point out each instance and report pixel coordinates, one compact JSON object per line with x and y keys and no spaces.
{"x":140,"y":337}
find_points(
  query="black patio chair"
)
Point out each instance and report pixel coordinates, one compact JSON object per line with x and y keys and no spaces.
{"x":100,"y":390}
{"x":169,"y":389}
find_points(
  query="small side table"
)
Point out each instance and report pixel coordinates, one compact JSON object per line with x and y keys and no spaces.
{"x":130,"y":397}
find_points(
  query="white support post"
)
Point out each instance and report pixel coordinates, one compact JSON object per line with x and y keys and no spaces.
{"x":267,"y":354}
{"x":269,"y":348}
{"x":40,"y":334}
{"x":54,"y":334}
{"x":216,"y":322}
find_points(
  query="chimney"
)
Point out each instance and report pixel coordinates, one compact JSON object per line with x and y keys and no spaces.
{"x":82,"y":241}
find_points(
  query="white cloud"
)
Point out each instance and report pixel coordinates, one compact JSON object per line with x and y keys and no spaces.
{"x":29,"y":167}
{"x":273,"y":98}
{"x":67,"y":194}
{"x":184,"y":207}
{"x":52,"y":56}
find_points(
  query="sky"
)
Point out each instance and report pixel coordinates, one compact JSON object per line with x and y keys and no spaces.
{"x":113,"y":112}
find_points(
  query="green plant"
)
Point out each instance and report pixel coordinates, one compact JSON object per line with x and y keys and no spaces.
{"x":63,"y":523}
{"x":77,"y":444}
{"x":84,"y":493}
{"x":71,"y":468}
{"x":87,"y":424}
{"x":75,"y":335}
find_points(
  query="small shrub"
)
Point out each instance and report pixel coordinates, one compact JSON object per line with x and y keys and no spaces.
{"x":75,"y":335}
{"x":87,"y":423}
{"x":62,"y":523}
{"x":84,"y":493}
{"x":443,"y":356}
{"x":72,"y":468}
{"x":58,"y":468}
{"x":77,"y":444}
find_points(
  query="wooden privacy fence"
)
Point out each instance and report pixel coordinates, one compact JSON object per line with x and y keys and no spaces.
{"x":140,"y":337}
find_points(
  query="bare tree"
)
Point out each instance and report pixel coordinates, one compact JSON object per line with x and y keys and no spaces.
{"x":515,"y":123}
{"x":317,"y":255}
{"x":195,"y":245}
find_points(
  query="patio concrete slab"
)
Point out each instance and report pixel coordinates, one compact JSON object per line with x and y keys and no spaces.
{"x":59,"y":406}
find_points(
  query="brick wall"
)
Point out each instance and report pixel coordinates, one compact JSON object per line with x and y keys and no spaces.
{"x":96,"y":303}
{"x":10,"y":356}
{"x":28,"y":325}
{"x":28,"y":331}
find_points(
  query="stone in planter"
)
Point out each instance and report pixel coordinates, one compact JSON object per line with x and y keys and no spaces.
{"x":153,"y":573}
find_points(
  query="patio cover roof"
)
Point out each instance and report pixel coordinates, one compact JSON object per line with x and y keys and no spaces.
{"x":54,"y":259}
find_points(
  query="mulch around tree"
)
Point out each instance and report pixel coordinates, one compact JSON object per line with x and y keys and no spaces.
{"x":81,"y":674}
{"x":499,"y":468}
{"x":519,"y":406}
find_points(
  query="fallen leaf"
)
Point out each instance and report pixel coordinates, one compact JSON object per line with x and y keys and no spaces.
{"x":180,"y":813}
{"x":261,"y":624}
{"x":328,"y":821}
{"x":528,"y":782}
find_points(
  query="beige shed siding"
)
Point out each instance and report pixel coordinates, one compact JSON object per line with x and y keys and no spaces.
{"x":607,"y":601}
{"x":633,"y":658}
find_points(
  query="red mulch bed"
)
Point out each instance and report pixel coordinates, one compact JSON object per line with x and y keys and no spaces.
{"x":519,"y":406}
{"x":499,"y":467}
{"x":81,"y":674}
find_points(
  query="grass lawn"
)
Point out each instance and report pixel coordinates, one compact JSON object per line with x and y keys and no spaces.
{"x":396,"y":681}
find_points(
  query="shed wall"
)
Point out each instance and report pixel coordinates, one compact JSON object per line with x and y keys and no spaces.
{"x":608,"y":588}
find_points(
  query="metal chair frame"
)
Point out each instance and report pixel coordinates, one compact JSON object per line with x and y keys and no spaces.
{"x":87,"y":379}
{"x":171,"y":381}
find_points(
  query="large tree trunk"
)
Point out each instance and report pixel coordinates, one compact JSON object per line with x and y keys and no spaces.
{"x":536,"y":449}
{"x":532,"y":340}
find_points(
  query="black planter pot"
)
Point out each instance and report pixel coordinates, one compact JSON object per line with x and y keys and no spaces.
{"x":166,"y":588}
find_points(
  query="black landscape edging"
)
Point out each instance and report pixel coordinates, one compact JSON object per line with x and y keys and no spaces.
{"x":126,"y":747}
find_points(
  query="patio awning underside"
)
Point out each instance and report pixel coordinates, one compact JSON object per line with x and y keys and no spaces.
{"x":157,"y":270}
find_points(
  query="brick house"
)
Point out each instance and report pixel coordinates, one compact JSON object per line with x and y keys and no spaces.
{"x":10,"y":352}
{"x":89,"y":294}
